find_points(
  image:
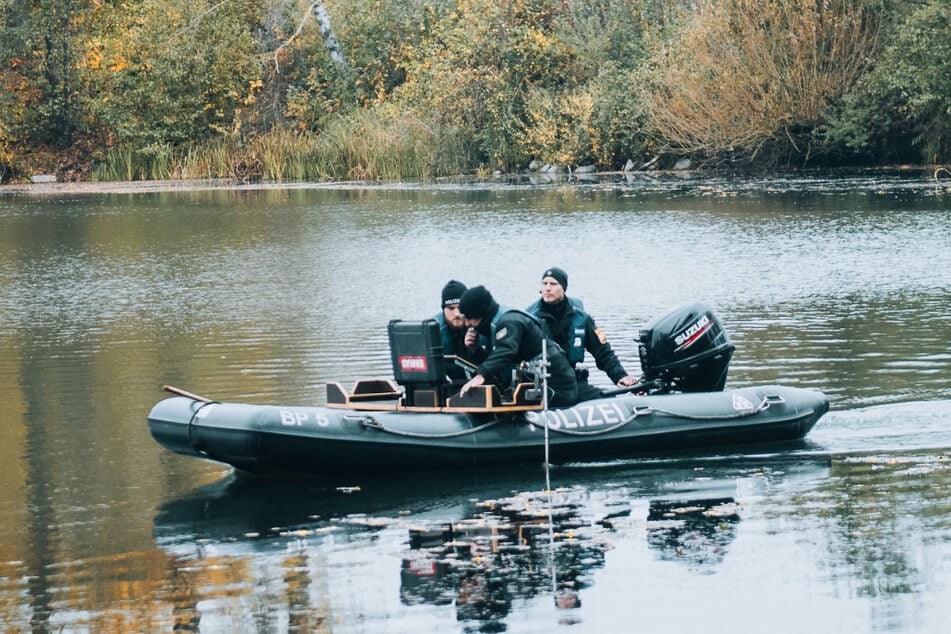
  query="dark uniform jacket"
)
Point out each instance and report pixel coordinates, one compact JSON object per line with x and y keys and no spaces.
{"x":515,"y":336}
{"x":575,"y":331}
{"x":454,"y":342}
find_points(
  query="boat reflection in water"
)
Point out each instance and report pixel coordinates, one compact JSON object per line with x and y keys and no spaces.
{"x":520,"y":547}
{"x":512,"y":548}
{"x":464,"y":542}
{"x":692,"y":531}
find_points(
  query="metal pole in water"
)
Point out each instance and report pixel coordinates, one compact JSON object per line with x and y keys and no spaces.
{"x":551,"y":527}
{"x":544,"y":370}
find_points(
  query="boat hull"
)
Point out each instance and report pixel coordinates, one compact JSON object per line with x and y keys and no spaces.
{"x":328,"y":441}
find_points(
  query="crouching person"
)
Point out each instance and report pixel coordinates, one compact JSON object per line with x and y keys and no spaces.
{"x":512,"y":337}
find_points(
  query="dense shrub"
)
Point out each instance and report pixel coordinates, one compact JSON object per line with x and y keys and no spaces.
{"x":750,"y":78}
{"x":43,"y":97}
{"x":377,"y":36}
{"x":178,"y":71}
{"x":529,"y":79}
{"x":901,"y":111}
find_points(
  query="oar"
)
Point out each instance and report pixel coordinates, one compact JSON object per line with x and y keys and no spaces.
{"x":181,"y":392}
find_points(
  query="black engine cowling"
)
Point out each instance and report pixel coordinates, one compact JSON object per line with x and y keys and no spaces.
{"x":685,"y":349}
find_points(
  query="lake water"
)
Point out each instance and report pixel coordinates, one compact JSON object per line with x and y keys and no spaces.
{"x":840,"y":283}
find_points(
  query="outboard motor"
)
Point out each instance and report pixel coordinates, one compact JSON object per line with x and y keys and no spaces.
{"x":685,"y":349}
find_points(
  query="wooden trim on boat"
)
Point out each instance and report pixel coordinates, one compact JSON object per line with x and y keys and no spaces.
{"x":381,"y":395}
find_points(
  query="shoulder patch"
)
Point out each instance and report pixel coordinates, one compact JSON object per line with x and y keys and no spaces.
{"x":501,"y":333}
{"x":601,"y":336}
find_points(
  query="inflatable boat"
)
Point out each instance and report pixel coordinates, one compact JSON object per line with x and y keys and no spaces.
{"x":419,"y":422}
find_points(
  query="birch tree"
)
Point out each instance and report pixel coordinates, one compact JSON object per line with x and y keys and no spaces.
{"x":326,"y":32}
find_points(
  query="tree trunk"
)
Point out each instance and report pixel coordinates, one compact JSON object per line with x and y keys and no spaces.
{"x":330,"y":38}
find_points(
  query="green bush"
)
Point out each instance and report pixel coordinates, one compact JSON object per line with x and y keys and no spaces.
{"x":477,"y":67}
{"x":376,"y":36}
{"x":527,"y":78}
{"x":901,"y":111}
{"x":179,"y":72}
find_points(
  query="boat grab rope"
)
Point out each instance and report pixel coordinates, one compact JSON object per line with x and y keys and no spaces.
{"x":372,"y":423}
{"x":743,"y":413}
{"x":763,"y":406}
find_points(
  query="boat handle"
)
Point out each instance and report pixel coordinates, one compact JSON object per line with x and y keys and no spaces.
{"x":773,"y":398}
{"x":364,"y":419}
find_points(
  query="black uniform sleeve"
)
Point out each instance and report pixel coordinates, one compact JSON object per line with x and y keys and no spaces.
{"x":476,"y":357}
{"x":597,"y":344}
{"x":504,"y":351}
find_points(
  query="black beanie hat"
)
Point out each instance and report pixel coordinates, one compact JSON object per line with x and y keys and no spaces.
{"x":477,"y":303}
{"x":558,"y":274}
{"x":452,"y":292}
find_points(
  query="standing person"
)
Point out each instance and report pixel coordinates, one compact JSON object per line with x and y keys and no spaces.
{"x":514,"y":336}
{"x":456,"y":338}
{"x":565,"y":320}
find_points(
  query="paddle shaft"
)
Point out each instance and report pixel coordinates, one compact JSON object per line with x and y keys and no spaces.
{"x":181,"y":392}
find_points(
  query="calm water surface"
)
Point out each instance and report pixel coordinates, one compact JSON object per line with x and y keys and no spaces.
{"x":264,"y":294}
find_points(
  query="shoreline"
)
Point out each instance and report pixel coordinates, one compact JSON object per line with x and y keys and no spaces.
{"x":132,"y":187}
{"x":938,"y":173}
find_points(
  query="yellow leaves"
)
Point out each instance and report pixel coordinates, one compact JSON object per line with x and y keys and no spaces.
{"x":92,"y":59}
{"x":253,"y":88}
{"x":297,"y":109}
{"x":561,"y":131}
{"x":541,"y":40}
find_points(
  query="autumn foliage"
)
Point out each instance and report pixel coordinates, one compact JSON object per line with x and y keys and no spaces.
{"x":744,"y":76}
{"x":246,"y":89}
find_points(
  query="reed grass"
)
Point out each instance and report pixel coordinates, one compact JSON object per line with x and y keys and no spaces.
{"x":387,"y":146}
{"x":125,"y":162}
{"x":365,"y":145}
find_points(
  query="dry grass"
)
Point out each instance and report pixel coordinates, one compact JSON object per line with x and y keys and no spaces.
{"x":364,"y":145}
{"x":746,"y":74}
